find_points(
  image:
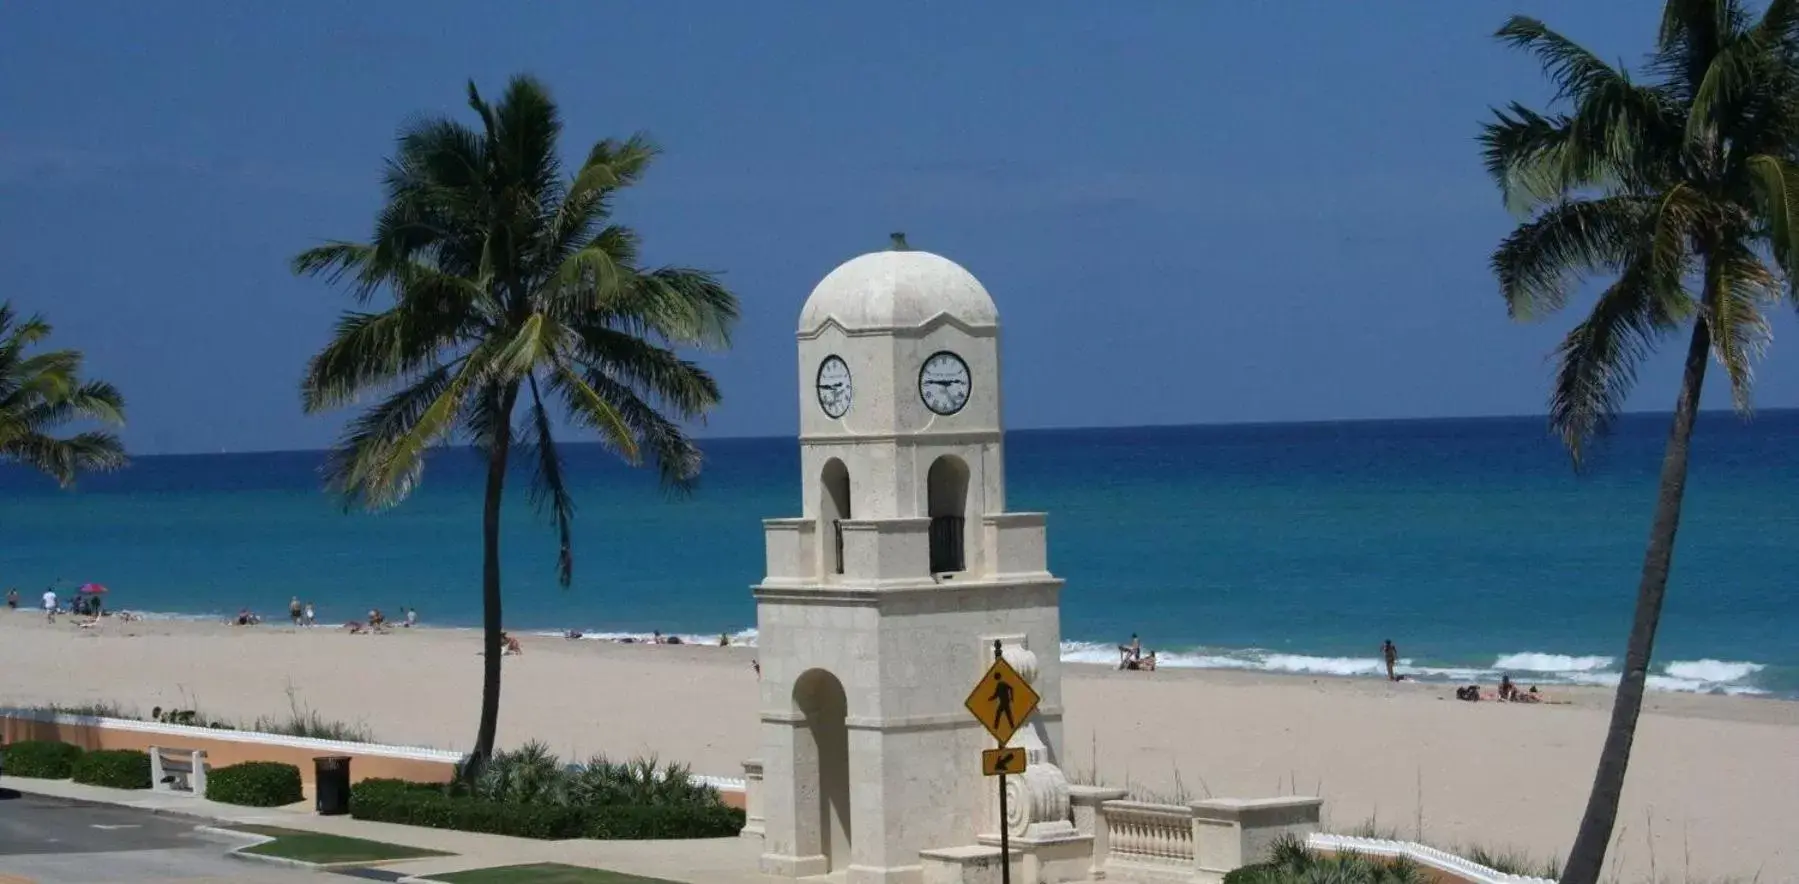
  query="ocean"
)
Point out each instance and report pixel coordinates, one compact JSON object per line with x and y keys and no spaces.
{"x":1293,"y":548}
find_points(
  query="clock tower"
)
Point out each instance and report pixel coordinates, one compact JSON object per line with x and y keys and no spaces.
{"x":884,"y":598}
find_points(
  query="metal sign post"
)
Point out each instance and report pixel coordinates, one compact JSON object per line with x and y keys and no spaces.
{"x":1004,"y":825}
{"x":1002,"y":701}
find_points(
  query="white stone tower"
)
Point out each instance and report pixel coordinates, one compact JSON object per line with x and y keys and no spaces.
{"x":884,"y":598}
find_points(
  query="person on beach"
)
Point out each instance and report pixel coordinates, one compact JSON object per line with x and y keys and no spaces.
{"x":12,"y":599}
{"x":510,"y":645}
{"x":50,"y":605}
{"x":1389,"y":652}
{"x":306,"y":616}
{"x":412,"y":618}
{"x":295,"y":611}
{"x":1131,"y":653}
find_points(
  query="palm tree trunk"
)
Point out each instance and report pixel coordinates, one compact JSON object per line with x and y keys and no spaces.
{"x":1587,"y":858}
{"x":492,"y":621}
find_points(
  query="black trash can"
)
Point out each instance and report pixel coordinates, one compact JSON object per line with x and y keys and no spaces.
{"x":331,"y":782}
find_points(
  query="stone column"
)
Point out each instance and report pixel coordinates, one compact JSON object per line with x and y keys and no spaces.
{"x":1090,"y":821}
{"x":753,"y":823}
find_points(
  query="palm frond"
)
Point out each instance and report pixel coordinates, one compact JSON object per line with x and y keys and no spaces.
{"x":677,"y":459}
{"x":597,"y":412}
{"x":656,"y":373}
{"x":1741,"y":287}
{"x":549,"y":489}
{"x":1776,"y":184}
{"x":526,"y":127}
{"x":42,"y":392}
{"x":64,"y":459}
{"x":1542,"y":259}
{"x":1525,"y":154}
{"x":1598,"y":359}
{"x":1575,"y":71}
{"x":359,"y":468}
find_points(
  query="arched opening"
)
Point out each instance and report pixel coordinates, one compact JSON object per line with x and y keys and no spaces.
{"x":946,"y":488}
{"x":821,"y":768}
{"x":833,"y":508}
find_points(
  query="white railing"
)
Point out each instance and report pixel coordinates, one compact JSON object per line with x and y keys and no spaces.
{"x":1442,"y":861}
{"x":410,"y":753}
{"x":1156,"y":835}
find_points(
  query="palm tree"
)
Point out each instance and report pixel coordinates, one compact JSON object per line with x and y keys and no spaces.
{"x":41,"y":393}
{"x":1677,"y":191}
{"x":513,"y":296}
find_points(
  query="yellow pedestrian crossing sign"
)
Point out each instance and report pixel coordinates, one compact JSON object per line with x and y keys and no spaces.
{"x":1002,"y":700}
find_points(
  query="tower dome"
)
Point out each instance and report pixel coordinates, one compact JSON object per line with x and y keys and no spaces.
{"x":897,"y":288}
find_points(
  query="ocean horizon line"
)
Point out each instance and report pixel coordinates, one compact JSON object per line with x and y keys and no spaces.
{"x":1704,"y":413}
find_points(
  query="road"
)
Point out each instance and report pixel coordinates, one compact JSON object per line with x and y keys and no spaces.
{"x":51,"y":841}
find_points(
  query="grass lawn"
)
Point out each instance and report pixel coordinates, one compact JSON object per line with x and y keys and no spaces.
{"x":313,"y":847}
{"x":542,"y":873}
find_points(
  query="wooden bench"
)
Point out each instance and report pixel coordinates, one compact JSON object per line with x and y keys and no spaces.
{"x":178,"y":770}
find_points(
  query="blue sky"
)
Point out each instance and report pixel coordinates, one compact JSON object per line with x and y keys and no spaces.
{"x":1188,"y":212}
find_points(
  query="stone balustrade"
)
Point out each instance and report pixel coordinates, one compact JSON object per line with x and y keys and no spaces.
{"x":1197,"y":842}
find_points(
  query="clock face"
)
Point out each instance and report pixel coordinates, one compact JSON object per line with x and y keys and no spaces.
{"x":943,"y":383}
{"x":834,"y":390}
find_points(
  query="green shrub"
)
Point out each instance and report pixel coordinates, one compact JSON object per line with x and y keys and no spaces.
{"x":531,"y":775}
{"x":41,"y":759}
{"x":1290,"y":862}
{"x":657,"y":822}
{"x":639,"y":783}
{"x":534,"y":775}
{"x":437,"y":806}
{"x":1248,"y":874}
{"x":114,"y":768}
{"x":255,"y":784}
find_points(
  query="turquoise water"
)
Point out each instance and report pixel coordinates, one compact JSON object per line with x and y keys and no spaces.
{"x":1294,"y":547}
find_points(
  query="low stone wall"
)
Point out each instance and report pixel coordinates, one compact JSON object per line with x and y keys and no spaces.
{"x":223,"y":747}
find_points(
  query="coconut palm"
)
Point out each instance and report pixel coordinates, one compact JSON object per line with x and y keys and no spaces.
{"x":514,"y":298}
{"x":1680,"y":192}
{"x":44,"y":392}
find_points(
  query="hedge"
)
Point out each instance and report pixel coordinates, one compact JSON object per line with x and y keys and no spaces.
{"x":114,"y":768}
{"x":1251,"y":874}
{"x":41,"y":759}
{"x":255,"y":784}
{"x":424,"y":804}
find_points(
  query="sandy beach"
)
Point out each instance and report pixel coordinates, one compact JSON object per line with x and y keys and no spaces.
{"x":1713,"y":789}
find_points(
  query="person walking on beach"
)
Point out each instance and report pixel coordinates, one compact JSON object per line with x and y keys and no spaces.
{"x":50,"y":605}
{"x":1390,"y":653}
{"x":295,"y":611}
{"x":12,"y":599}
{"x":306,"y":616}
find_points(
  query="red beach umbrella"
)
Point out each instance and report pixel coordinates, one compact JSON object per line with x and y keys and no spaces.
{"x":91,"y":589}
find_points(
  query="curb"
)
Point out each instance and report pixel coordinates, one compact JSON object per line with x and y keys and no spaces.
{"x":13,"y":783}
{"x":247,"y":840}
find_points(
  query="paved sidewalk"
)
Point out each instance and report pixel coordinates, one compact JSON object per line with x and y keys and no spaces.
{"x":710,"y":861}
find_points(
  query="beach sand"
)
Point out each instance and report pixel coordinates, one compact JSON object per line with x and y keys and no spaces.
{"x":1713,"y":788}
